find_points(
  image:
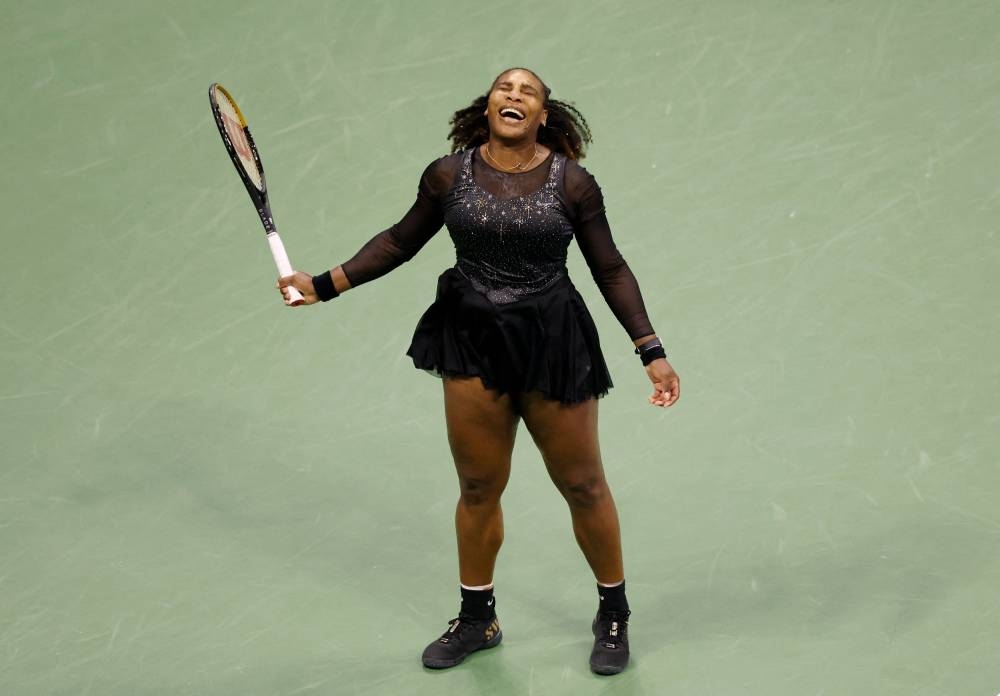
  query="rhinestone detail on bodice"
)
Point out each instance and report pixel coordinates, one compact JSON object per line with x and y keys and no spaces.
{"x":509,"y":249}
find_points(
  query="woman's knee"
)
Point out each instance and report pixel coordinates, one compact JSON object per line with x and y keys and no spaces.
{"x":584,"y":492}
{"x":480,"y":491}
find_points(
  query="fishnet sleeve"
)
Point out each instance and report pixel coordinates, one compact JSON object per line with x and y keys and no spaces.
{"x":612,"y":274}
{"x":395,"y":246}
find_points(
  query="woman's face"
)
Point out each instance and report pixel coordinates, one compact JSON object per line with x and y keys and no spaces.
{"x":515,"y":107}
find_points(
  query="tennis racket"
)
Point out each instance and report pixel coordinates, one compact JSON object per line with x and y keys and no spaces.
{"x":242,"y":151}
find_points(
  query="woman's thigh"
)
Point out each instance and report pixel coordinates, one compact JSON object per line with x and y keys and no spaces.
{"x":566,"y":435}
{"x":481,"y":428}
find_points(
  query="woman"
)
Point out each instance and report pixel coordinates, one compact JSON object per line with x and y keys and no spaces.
{"x":511,"y":337}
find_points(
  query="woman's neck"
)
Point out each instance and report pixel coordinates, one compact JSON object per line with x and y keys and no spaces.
{"x":513,"y":157}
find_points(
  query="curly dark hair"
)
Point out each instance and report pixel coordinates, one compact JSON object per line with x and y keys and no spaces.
{"x":566,"y":130}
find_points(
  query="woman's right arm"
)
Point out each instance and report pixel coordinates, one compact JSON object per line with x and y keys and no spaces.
{"x":388,"y":249}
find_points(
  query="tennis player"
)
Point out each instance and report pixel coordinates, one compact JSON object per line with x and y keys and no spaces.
{"x":512,"y":339}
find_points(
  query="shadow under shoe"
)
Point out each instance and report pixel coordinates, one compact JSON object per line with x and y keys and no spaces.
{"x":610,"y":653}
{"x":464,"y":636}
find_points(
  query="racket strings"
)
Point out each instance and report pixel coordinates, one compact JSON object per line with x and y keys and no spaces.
{"x":233,"y":123}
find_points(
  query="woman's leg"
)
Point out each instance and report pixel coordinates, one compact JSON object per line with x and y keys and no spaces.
{"x":567,"y":438}
{"x":481,"y":429}
{"x":566,"y":435}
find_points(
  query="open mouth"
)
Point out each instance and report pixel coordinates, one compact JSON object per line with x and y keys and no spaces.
{"x":511,"y":114}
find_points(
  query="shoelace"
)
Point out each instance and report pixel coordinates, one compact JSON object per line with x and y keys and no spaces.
{"x":610,"y":636}
{"x":457,"y":627}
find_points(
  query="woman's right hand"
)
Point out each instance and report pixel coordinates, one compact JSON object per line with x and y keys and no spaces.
{"x":301,"y":282}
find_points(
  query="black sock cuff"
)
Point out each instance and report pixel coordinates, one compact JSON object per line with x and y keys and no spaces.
{"x":613,"y":598}
{"x":478,"y":604}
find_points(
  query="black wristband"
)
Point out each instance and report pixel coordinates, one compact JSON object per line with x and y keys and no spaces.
{"x":323,"y":284}
{"x":654,"y":353}
{"x":651,"y":350}
{"x":648,"y":345}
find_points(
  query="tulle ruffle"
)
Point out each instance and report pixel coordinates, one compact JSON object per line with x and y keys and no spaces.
{"x":546,"y":343}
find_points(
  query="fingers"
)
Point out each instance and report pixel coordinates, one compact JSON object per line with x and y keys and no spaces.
{"x":657,"y":398}
{"x":663,"y":399}
{"x":672,"y":392}
{"x":660,"y":397}
{"x":283,"y":284}
{"x":666,"y":391}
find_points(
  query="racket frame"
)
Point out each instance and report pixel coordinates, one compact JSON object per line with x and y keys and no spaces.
{"x":258,"y":196}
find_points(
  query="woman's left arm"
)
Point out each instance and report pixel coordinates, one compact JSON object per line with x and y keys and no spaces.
{"x":617,"y":283}
{"x":666,"y":383}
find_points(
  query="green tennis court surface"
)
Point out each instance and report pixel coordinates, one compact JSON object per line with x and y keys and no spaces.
{"x":202,"y":492}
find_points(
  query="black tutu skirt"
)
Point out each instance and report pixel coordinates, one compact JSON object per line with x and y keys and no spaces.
{"x":546,"y":343}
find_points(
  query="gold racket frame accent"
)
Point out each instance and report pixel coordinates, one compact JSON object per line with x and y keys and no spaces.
{"x":236,"y":107}
{"x":241,"y":142}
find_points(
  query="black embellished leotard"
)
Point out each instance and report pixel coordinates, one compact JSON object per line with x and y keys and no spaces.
{"x":507,"y":311}
{"x":508,"y":248}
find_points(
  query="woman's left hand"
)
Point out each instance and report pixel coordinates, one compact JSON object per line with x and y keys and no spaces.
{"x":666,"y":383}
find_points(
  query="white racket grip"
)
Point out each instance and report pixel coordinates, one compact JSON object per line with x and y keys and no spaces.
{"x":284,"y":265}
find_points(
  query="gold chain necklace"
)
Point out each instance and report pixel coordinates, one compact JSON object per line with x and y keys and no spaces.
{"x":517,"y":167}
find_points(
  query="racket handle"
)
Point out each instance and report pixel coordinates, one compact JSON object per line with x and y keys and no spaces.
{"x":284,"y":266}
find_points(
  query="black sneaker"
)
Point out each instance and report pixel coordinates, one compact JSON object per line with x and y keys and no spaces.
{"x":464,"y":636}
{"x":610,"y":653}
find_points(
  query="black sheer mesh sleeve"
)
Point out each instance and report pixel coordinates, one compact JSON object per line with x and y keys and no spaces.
{"x":400,"y":243}
{"x":593,"y":234}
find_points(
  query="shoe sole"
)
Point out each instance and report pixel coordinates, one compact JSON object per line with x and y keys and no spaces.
{"x":606,"y":670}
{"x":445,"y":664}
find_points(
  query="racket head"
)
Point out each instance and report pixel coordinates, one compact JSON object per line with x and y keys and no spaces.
{"x":238,"y":140}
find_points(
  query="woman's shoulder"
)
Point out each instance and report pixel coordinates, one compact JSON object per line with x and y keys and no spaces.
{"x":449,"y":159}
{"x":579,"y":184}
{"x":440,"y":174}
{"x":577,"y":173}
{"x":448,"y":163}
